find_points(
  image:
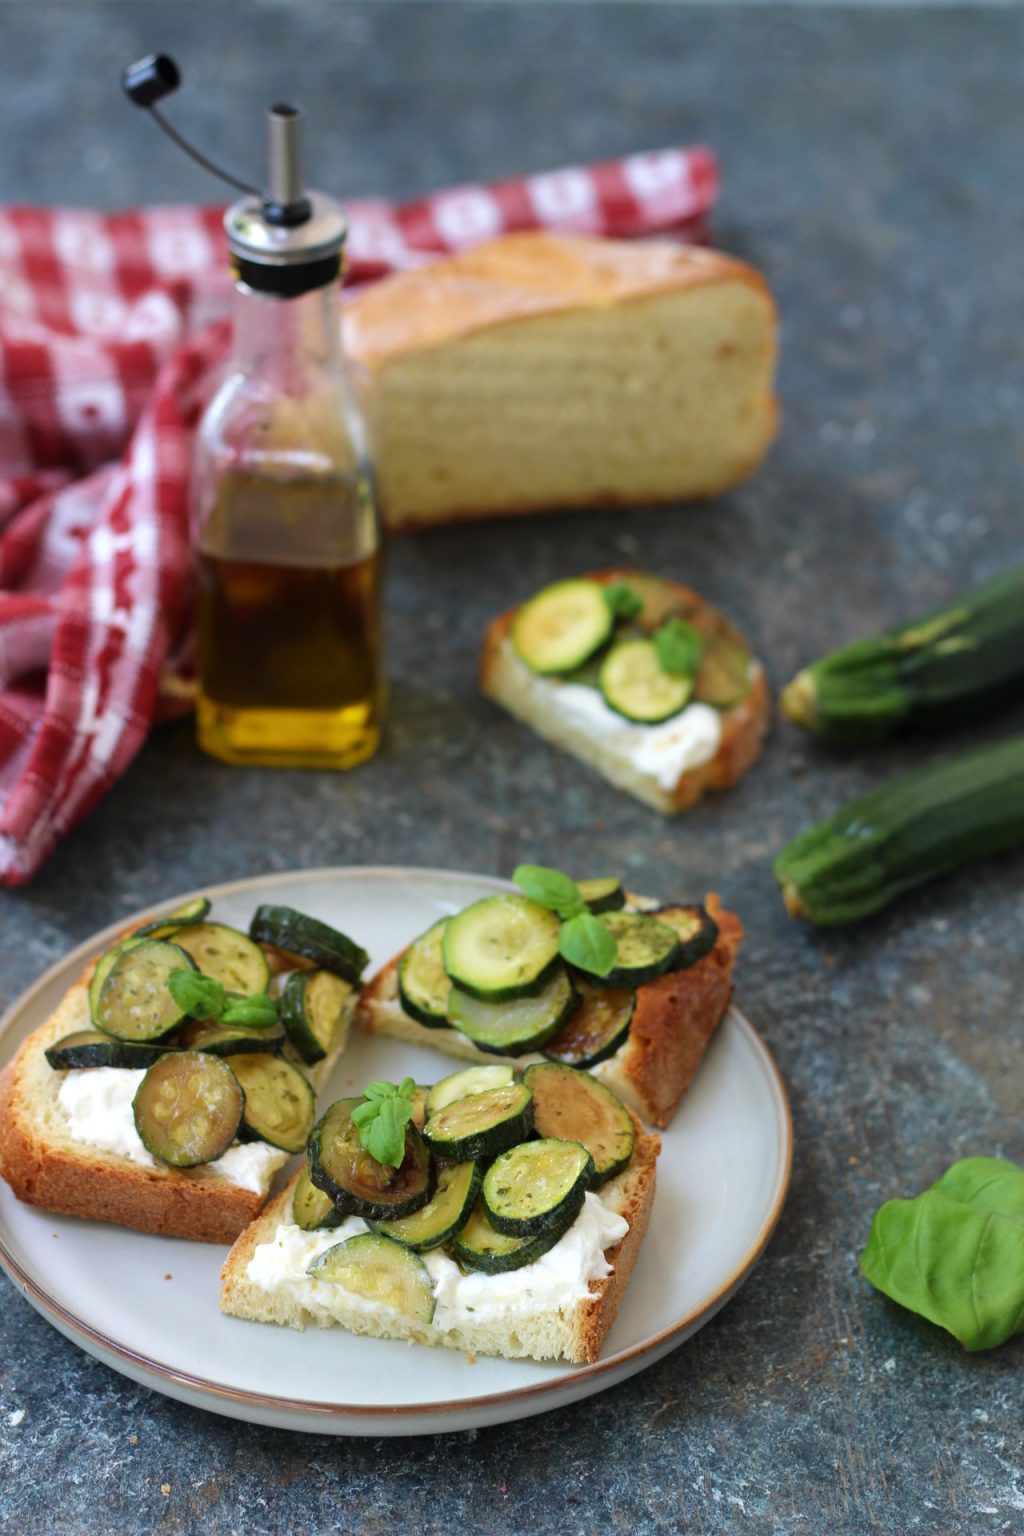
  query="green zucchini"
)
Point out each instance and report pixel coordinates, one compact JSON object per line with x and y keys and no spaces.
{"x":278,"y":1100}
{"x":312,"y":1209}
{"x":93,"y":1048}
{"x":102,"y":969}
{"x":182,"y":917}
{"x":906,"y":832}
{"x":380,"y":1270}
{"x":501,"y":947}
{"x":340,"y":1165}
{"x":445,"y":1213}
{"x":482,"y":1124}
{"x":724,"y":675}
{"x":226,"y":955}
{"x":535,"y":1184}
{"x":135,"y":1002}
{"x":312,"y":1005}
{"x":575,"y":1106}
{"x":954,"y":663}
{"x":423,"y":983}
{"x":188,"y":1108}
{"x":229,"y":1039}
{"x":459,"y":1085}
{"x":565,"y":623}
{"x":696,"y":930}
{"x":597,"y":1028}
{"x":309,"y":939}
{"x":634,"y":684}
{"x":511,"y":1029}
{"x":645,"y":948}
{"x":604,"y":894}
{"x":478,"y":1246}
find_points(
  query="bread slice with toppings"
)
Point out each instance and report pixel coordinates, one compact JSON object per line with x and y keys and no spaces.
{"x":670,"y":765}
{"x":674,"y":1020}
{"x":568,"y":1323}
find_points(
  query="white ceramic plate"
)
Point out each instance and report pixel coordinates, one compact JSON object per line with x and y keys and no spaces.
{"x":148,"y":1305}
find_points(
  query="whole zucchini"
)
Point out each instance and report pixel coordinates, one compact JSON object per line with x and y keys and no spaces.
{"x":956,"y":662}
{"x":905,"y":832}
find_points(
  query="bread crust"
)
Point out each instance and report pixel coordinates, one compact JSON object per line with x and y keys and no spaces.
{"x":676,"y":1016}
{"x":580,"y":1331}
{"x":744,"y":726}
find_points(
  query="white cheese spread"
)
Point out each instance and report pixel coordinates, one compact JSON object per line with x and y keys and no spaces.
{"x":97,"y":1103}
{"x":559,"y":1278}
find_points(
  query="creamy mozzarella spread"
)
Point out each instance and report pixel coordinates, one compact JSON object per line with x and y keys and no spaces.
{"x":559,"y":1278}
{"x":97,"y":1103}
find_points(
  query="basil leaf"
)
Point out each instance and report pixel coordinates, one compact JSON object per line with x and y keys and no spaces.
{"x":955,"y":1254}
{"x":256,"y":1012}
{"x":201,"y":997}
{"x":585,"y":942}
{"x":622,"y":600}
{"x":549,"y":888}
{"x":381,"y":1120}
{"x":679,"y":647}
{"x":407,"y":1087}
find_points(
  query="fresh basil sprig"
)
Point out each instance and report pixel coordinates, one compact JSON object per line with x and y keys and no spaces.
{"x":381,"y":1120}
{"x":203,"y":997}
{"x":622,"y":600}
{"x":583,"y":939}
{"x":679,"y":647}
{"x":955,"y":1254}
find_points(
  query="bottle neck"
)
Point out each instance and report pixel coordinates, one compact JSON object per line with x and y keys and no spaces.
{"x":287,"y":338}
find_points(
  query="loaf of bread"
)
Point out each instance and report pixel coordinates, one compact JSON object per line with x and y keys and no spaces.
{"x":541,"y":371}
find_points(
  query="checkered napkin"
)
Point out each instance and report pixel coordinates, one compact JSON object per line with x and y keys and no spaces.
{"x":111,"y":329}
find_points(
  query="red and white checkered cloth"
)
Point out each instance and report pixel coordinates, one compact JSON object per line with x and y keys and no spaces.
{"x":110,"y":326}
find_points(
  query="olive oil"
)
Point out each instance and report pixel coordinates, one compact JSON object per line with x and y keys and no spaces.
{"x":287,"y":605}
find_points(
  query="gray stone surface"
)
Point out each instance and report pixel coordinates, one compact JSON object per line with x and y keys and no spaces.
{"x":871,"y":166}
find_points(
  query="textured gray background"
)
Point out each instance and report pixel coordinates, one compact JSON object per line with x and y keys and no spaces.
{"x":871,"y":165}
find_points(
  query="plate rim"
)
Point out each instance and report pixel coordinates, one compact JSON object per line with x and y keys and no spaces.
{"x":76,"y":1329}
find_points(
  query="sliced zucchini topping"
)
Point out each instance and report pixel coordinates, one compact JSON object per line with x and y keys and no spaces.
{"x":510,"y":1029}
{"x":278,"y":1100}
{"x":226,"y":955}
{"x":481,"y":1125}
{"x":501,"y":947}
{"x":458,"y":1185}
{"x":564,"y":624}
{"x":696,"y":929}
{"x":635,"y":685}
{"x":597,"y":1028}
{"x":229,"y":1039}
{"x":535,"y":1184}
{"x":311,"y":1208}
{"x":134,"y":1000}
{"x":164,"y":927}
{"x":340,"y":1165}
{"x":423,"y":983}
{"x":602,"y":895}
{"x":188,"y":1108}
{"x":576,"y":1107}
{"x":646,"y":948}
{"x":102,"y":969}
{"x":380,"y":1270}
{"x":310,"y":939}
{"x":312,"y":1005}
{"x":92,"y":1048}
{"x":470,"y":1080}
{"x":724,"y":675}
{"x":478,"y":1246}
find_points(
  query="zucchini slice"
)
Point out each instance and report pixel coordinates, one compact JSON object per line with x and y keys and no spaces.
{"x":536,"y":1183}
{"x":602,"y":895}
{"x":696,"y":930}
{"x":458,"y":1185}
{"x":510,"y":1029}
{"x":482,"y":1124}
{"x":92,"y":1048}
{"x":561,"y":626}
{"x":423,"y":983}
{"x":646,"y":948}
{"x":312,"y":1004}
{"x":102,"y":969}
{"x":313,"y":1210}
{"x":501,"y":947}
{"x":382,"y":1271}
{"x":310,"y":939}
{"x":340,"y":1165}
{"x":188,"y":1108}
{"x":478,"y":1246}
{"x":597,"y":1028}
{"x":635,"y":686}
{"x":576,"y":1107}
{"x":182,"y":917}
{"x":230,"y":1039}
{"x":723,"y":677}
{"x":278,"y":1100}
{"x":226,"y":955}
{"x":135,"y":1002}
{"x":470,"y":1080}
